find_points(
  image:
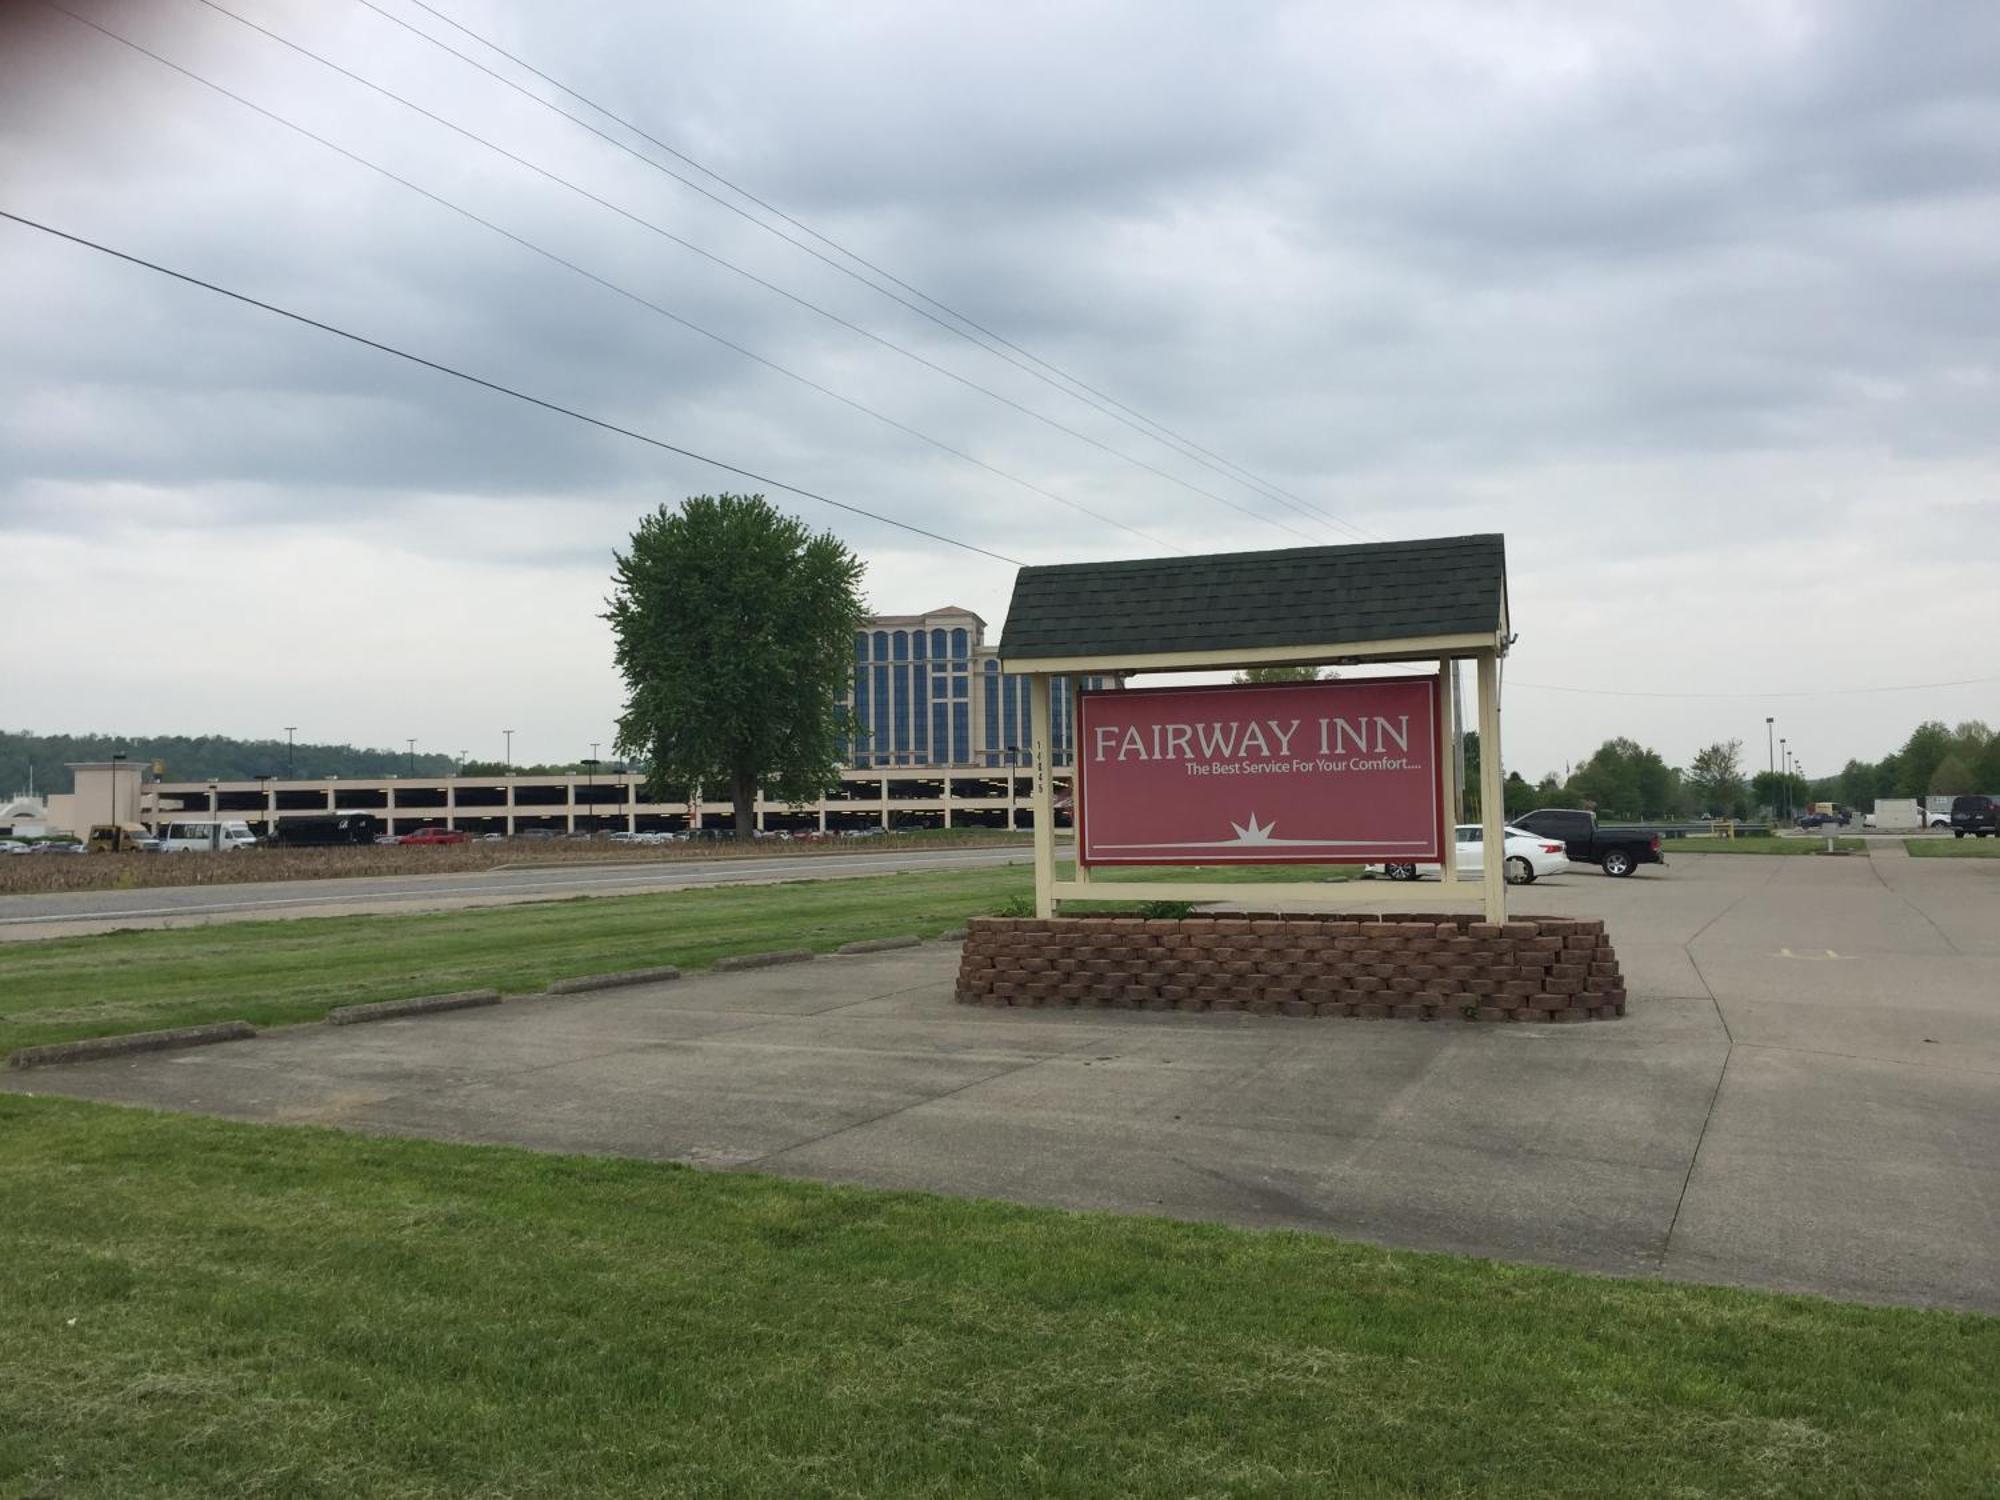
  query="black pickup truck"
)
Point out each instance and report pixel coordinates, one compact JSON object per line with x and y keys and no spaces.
{"x":1619,"y":851}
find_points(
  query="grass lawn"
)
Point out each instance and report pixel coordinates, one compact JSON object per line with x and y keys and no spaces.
{"x":203,"y":1308}
{"x":1766,"y":844}
{"x":1974,"y":848}
{"x":274,"y":972}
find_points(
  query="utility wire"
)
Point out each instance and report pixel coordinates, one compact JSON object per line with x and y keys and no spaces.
{"x":1089,"y":395}
{"x":559,"y":180}
{"x":613,"y":286}
{"x":1900,"y":687}
{"x":499,"y":389}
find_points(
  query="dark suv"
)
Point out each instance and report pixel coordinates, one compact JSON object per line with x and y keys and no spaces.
{"x":1974,"y":815}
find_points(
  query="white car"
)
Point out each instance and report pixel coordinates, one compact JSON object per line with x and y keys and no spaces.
{"x":1529,"y":857}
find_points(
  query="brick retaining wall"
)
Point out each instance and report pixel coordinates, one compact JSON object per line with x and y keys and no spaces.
{"x":1410,"y":965}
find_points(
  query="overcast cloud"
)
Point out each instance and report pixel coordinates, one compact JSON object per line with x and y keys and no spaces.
{"x":1698,"y":305}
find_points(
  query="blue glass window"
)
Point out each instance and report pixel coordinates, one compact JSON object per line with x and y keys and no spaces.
{"x":860,"y":709}
{"x":992,"y":711}
{"x":881,"y":645}
{"x":920,"y":716}
{"x":1011,"y":717}
{"x":960,"y":645}
{"x":902,"y":741}
{"x":940,"y":737}
{"x":918,"y":640}
{"x":881,"y":739}
{"x":902,"y":645}
{"x":960,"y":685}
{"x":937,"y":643}
{"x":961,"y":734}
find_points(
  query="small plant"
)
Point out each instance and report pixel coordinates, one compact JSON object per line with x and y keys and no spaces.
{"x":1017,"y":906}
{"x":1166,"y":911}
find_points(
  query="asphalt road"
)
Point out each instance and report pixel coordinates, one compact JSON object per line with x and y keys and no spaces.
{"x":1805,"y":1096}
{"x":75,"y":913}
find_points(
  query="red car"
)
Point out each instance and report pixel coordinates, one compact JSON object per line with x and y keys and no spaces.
{"x":436,"y":836}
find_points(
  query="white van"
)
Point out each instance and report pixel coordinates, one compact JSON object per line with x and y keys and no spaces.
{"x":195,"y":838}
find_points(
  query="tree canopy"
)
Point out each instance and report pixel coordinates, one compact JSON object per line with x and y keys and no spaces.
{"x":734,"y":630}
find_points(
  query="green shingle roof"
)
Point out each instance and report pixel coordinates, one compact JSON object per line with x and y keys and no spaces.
{"x":1226,"y":601}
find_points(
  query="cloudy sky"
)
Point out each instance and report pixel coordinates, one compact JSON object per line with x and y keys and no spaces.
{"x":1698,"y":305}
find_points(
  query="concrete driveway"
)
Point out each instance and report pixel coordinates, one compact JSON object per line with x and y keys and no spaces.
{"x":1805,"y":1096}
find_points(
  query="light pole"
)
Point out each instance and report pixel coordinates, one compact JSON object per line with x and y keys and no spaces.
{"x":214,"y":819}
{"x":590,"y":787}
{"x":270,"y":808}
{"x":290,"y":730}
{"x":117,"y":764}
{"x":510,"y":748}
{"x":413,"y":757}
{"x":1785,"y":764}
{"x":1013,"y":768}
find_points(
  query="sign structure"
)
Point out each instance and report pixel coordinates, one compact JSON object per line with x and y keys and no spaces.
{"x":1344,"y":771}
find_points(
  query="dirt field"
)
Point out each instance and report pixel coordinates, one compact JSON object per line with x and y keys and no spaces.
{"x":45,"y":873}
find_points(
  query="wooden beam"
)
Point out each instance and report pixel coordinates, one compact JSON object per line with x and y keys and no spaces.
{"x":1043,"y":798}
{"x":1332,"y":895}
{"x":1492,"y":788}
{"x":1415,"y":648}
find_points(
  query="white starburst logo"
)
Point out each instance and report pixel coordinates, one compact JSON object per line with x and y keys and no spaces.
{"x":1255,"y":833}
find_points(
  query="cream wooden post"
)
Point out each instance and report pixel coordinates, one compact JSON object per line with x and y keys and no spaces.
{"x":1492,"y":788}
{"x":1448,"y":759}
{"x":1043,"y":799}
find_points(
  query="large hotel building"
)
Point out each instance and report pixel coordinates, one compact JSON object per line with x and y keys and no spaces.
{"x":943,"y":743}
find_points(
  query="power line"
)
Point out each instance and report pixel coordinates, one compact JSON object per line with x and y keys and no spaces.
{"x":1900,"y":687}
{"x":495,"y":386}
{"x":1087,"y":394}
{"x":731,"y":266}
{"x":610,"y":285}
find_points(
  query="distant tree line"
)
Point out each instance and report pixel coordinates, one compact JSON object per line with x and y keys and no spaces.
{"x":194,"y":758}
{"x":1624,"y":779}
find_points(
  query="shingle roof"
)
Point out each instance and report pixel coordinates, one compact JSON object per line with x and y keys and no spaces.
{"x":1296,"y":596}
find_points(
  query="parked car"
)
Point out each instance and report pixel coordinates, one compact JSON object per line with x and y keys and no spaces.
{"x":1616,"y":851}
{"x":1825,"y":819}
{"x":222,"y":835}
{"x":1529,"y":856}
{"x":16,"y":846}
{"x":436,"y":836}
{"x":121,"y":838}
{"x":1978,"y":816}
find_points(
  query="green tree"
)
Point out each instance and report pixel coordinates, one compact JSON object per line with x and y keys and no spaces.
{"x":1277,"y":674}
{"x":1954,"y":776}
{"x":1920,"y":757}
{"x":1521,"y":797}
{"x":1715,"y":779}
{"x":1987,"y":772}
{"x":734,"y":630}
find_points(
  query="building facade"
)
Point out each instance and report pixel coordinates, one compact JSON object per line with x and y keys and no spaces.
{"x":943,"y":742}
{"x":928,"y":691}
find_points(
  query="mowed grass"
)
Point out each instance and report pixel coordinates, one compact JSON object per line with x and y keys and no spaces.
{"x":1971,"y":848}
{"x":270,"y":973}
{"x":1705,"y":843}
{"x":201,"y":1308}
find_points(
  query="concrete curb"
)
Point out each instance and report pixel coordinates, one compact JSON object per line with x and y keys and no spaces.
{"x":879,"y":945}
{"x":416,"y":1005}
{"x":761,"y":960}
{"x":92,"y":1048}
{"x":583,"y":982}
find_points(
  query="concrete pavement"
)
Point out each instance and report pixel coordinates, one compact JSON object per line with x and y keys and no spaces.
{"x":82,"y":913}
{"x":1806,"y":1095}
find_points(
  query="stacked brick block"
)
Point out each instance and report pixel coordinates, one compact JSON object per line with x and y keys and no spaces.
{"x":1408,"y":966}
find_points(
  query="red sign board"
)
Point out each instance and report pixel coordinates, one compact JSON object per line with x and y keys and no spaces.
{"x":1290,"y":773}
